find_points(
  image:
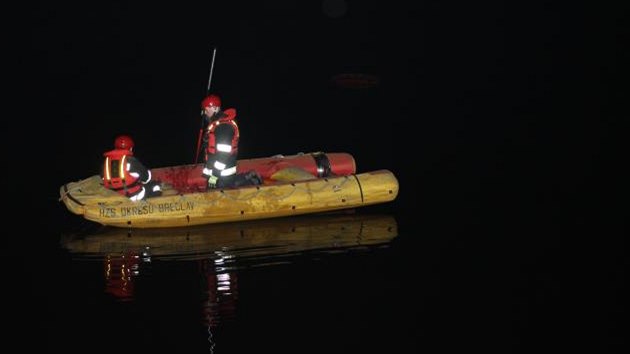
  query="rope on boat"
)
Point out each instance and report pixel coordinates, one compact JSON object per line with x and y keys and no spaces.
{"x":73,"y":186}
{"x":270,"y":194}
{"x":219,"y":194}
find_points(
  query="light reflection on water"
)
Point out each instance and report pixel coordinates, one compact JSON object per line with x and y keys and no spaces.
{"x":221,"y":251}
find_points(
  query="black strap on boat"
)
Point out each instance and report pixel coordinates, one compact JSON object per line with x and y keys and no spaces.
{"x":360,"y":187}
{"x":323,"y":164}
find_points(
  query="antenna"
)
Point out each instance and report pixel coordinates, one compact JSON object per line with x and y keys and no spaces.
{"x":214,"y":53}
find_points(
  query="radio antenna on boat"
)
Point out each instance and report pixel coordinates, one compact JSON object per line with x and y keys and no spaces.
{"x":214,"y":53}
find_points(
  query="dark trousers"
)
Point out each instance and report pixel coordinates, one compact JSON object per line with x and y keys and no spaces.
{"x":251,"y":178}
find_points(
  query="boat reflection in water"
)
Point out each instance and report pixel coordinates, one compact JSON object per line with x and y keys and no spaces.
{"x":221,"y":250}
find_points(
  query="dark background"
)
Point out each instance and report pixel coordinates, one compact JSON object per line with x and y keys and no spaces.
{"x":501,"y":120}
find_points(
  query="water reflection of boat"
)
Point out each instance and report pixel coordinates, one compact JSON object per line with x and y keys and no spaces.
{"x":251,"y":238}
{"x":221,"y":250}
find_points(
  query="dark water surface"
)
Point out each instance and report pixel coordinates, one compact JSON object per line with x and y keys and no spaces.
{"x":502,"y":122}
{"x":375,"y":280}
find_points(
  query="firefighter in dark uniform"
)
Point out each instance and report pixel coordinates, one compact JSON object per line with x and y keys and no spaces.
{"x":220,"y":147}
{"x":125,"y":174}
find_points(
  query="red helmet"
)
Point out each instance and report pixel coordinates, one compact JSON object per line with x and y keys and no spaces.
{"x":211,"y":100}
{"x":123,"y":142}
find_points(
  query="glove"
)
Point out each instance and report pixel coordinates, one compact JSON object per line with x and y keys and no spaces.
{"x":212,"y":181}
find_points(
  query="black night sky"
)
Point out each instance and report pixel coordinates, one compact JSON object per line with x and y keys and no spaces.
{"x":503,"y":113}
{"x":515,"y":101}
{"x":476,"y":89}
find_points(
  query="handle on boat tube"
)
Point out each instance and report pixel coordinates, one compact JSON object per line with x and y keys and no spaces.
{"x":214,"y":52}
{"x":323,"y":164}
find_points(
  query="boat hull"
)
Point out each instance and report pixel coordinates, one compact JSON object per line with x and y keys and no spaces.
{"x":91,"y":200}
